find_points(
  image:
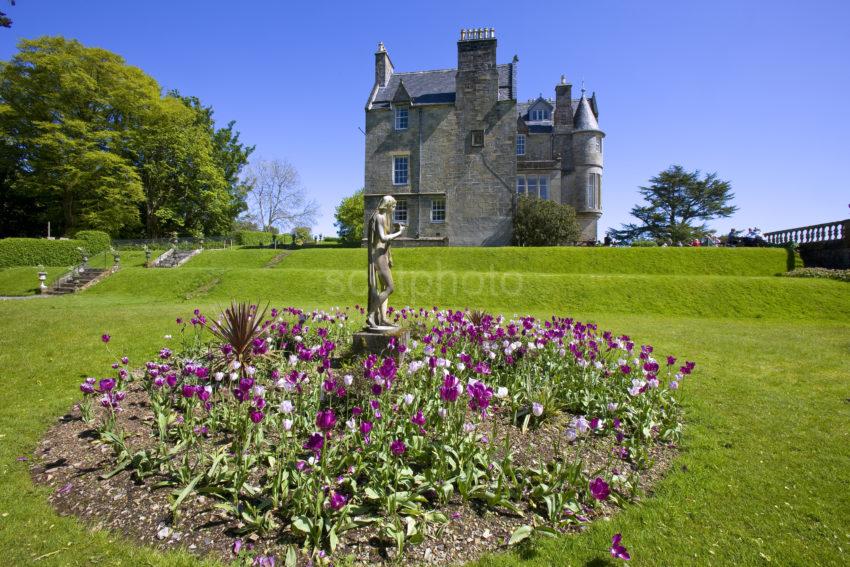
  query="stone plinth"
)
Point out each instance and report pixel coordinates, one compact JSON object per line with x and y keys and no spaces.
{"x":370,"y":341}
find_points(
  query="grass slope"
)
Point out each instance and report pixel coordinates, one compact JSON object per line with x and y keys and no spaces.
{"x":764,"y":466}
{"x":24,"y":280}
{"x":560,"y":260}
{"x":715,"y":296}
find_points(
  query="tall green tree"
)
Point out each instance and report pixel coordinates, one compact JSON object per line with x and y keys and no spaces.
{"x":674,"y":201}
{"x":87,"y":141}
{"x":541,"y":222}
{"x":349,"y":219}
{"x":228,"y":152}
{"x":65,"y":114}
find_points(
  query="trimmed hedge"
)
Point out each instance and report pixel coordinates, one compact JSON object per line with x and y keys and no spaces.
{"x":259,"y":238}
{"x":40,"y":251}
{"x":96,"y":241}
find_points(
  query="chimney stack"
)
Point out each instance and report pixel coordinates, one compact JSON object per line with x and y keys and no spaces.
{"x":383,"y":66}
{"x":563,"y":103}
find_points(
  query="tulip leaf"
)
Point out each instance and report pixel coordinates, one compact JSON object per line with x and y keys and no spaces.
{"x":521,"y":533}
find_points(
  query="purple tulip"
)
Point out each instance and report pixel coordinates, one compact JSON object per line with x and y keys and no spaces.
{"x":188,"y":390}
{"x":256,"y":416}
{"x":397,"y":447}
{"x":337,"y":500}
{"x":325,"y":420}
{"x":366,"y":427}
{"x":418,"y":419}
{"x":599,"y":489}
{"x":449,"y":389}
{"x":106,"y":385}
{"x":315,"y":443}
{"x":617,"y":550}
{"x":105,"y":338}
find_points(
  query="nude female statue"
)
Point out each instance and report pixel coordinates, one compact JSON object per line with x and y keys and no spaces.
{"x":378,"y":237}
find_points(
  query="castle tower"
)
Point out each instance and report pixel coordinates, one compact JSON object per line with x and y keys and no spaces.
{"x":587,"y":169}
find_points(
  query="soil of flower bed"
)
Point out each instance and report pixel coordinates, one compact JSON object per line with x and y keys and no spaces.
{"x":70,"y":460}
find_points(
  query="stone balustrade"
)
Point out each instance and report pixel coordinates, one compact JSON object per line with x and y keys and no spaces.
{"x":826,"y":232}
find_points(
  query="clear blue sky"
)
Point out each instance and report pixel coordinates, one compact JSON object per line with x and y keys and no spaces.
{"x":756,"y":91}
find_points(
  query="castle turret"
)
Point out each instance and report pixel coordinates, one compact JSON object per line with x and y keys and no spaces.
{"x":587,"y":168}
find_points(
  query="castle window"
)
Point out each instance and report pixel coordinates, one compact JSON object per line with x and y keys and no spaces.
{"x":533,"y":185}
{"x":543,"y":186}
{"x":401,"y":119}
{"x":438,"y":210}
{"x":520,"y":144}
{"x":539,"y":114}
{"x":400,"y":169}
{"x":478,"y":138}
{"x":593,"y":195}
{"x":599,"y":144}
{"x":400,"y":214}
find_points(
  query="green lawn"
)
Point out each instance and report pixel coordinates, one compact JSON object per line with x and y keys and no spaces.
{"x":24,"y":280}
{"x":765,"y":465}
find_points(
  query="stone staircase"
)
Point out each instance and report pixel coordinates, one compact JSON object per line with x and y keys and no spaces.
{"x":77,"y":281}
{"x":174,"y":258}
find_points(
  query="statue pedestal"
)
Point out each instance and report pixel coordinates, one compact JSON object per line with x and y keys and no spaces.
{"x":374,"y":341}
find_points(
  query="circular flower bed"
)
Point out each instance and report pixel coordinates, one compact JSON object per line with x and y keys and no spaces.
{"x":264,"y":437}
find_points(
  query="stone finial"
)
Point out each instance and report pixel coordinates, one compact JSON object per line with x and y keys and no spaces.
{"x":381,"y":47}
{"x":563,"y":79}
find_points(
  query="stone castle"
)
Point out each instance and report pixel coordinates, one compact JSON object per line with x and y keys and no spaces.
{"x":455,"y":148}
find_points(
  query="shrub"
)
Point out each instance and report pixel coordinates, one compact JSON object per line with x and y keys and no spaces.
{"x":254,"y":238}
{"x":540,"y":222}
{"x":96,"y":241}
{"x":39,"y":251}
{"x":820,"y":273}
{"x":643,"y":243}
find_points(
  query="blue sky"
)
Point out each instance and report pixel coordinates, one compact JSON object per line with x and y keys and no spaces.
{"x":756,"y":91}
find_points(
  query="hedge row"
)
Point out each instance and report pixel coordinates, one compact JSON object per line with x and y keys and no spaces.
{"x":39,"y":251}
{"x":258,"y":238}
{"x":96,"y":241}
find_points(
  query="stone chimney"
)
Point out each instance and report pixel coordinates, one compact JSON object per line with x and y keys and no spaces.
{"x":477,"y":80}
{"x":383,"y":66}
{"x":563,"y":103}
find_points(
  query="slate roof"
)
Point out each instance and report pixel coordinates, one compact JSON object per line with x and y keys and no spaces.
{"x":435,"y":87}
{"x":545,"y":126}
{"x":584,"y":119}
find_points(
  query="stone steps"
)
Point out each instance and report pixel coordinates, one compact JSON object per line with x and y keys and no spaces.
{"x":175,"y":259}
{"x":77,"y":281}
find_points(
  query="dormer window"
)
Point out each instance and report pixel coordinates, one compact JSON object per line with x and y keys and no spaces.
{"x":401,"y":118}
{"x":539,"y":114}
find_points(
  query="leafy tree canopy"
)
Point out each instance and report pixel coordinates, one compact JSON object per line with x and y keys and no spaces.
{"x":674,"y":201}
{"x":349,"y":219}
{"x":541,"y":222}
{"x":87,"y":141}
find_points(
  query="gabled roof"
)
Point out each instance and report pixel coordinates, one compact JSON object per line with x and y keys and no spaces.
{"x":522,"y":109}
{"x":401,"y":95}
{"x":435,"y":87}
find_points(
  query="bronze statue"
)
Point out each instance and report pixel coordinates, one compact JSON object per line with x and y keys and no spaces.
{"x":379,"y":237}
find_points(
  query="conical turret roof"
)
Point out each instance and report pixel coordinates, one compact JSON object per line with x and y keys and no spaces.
{"x":584,"y":118}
